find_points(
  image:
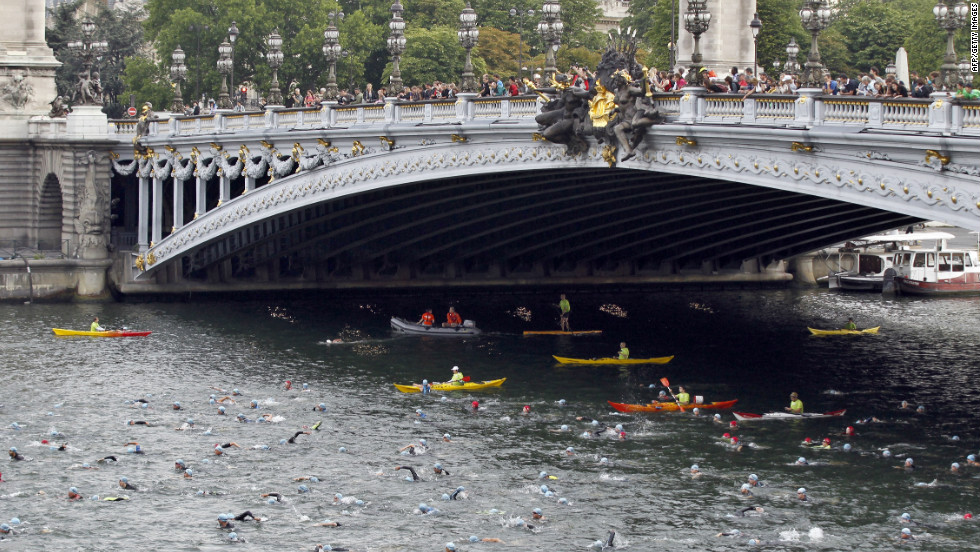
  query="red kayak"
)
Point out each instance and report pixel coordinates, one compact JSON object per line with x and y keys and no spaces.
{"x":671,"y":406}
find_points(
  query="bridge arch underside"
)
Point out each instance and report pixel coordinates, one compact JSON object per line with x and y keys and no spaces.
{"x":534,"y":227}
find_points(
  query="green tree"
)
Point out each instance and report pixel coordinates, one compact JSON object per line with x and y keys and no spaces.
{"x":427,"y":14}
{"x":148,"y":82}
{"x":781,"y":22}
{"x":872,"y":33}
{"x":431,"y":55}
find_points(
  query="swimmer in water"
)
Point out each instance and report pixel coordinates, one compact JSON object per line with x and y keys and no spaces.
{"x":176,"y":405}
{"x":538,"y":515}
{"x":801,"y":461}
{"x":801,"y":494}
{"x":458,"y":493}
{"x":415,"y":476}
{"x":73,"y":494}
{"x":320,"y":407}
{"x":906,"y":534}
{"x":14,"y":455}
{"x":246,"y":516}
{"x":409,"y":448}
{"x":971,"y":460}
{"x":292,"y":440}
{"x":732,"y":533}
{"x":695,"y":471}
{"x":526,"y":410}
{"x":753,"y":509}
{"x":138,"y":422}
{"x":328,"y":523}
{"x":717,"y":419}
{"x":288,"y":385}
{"x":107,"y":459}
{"x":219,"y":449}
{"x":179,"y":465}
{"x":276,"y":496}
{"x":754,"y":481}
{"x":226,"y":399}
{"x":746,"y":489}
{"x":909,"y":465}
{"x":124,"y":483}
{"x":137,"y":449}
{"x":438,"y":469}
{"x":954,"y":468}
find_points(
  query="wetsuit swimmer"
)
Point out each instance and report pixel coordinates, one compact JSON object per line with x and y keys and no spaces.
{"x":409,"y":448}
{"x":276,"y":496}
{"x":73,"y":494}
{"x":292,"y":440}
{"x":321,"y":548}
{"x":63,"y":447}
{"x":115,"y":498}
{"x":138,"y":422}
{"x":137,"y":448}
{"x":320,"y":407}
{"x":328,"y":523}
{"x":415,"y":476}
{"x":316,"y":426}
{"x":439,"y":469}
{"x":246,"y":516}
{"x":124,"y":483}
{"x":537,"y":515}
{"x":219,"y":449}
{"x":801,"y":494}
{"x":107,"y":459}
{"x":456,"y":493}
{"x":732,"y":533}
{"x":224,"y":521}
{"x":742,"y":512}
{"x":14,"y":455}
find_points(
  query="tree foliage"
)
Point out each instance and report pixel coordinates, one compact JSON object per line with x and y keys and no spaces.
{"x":431,"y":55}
{"x":148,"y":82}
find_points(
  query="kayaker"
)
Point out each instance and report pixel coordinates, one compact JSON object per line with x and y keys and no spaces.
{"x":95,"y":327}
{"x":453,"y":319}
{"x":566,"y":309}
{"x":457,"y":378}
{"x":850,"y":324}
{"x":624,"y":352}
{"x":683,"y":397}
{"x":427,"y":318}
{"x":795,"y":404}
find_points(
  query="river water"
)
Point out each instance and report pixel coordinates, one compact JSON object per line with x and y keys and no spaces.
{"x":752,"y":345}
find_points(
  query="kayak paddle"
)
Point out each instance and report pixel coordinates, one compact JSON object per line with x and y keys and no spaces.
{"x":667,"y":385}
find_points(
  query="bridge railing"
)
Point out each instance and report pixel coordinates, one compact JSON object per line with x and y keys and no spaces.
{"x":939,"y":114}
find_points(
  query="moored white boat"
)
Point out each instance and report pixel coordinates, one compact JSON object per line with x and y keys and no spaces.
{"x":938,"y":271}
{"x":863,"y":263}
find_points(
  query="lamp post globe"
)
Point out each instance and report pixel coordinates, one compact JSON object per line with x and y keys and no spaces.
{"x":275,"y":58}
{"x":950,"y":17}
{"x":468,"y":35}
{"x":332,"y":50}
{"x":696,"y":21}
{"x":815,"y":16}
{"x":550,"y":28}
{"x":755,"y":25}
{"x":224,"y":67}
{"x":178,"y":72}
{"x":396,"y":46}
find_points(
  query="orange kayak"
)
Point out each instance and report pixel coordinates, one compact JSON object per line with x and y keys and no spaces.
{"x":671,"y":406}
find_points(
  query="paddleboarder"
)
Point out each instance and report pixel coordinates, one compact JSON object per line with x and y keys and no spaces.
{"x":566,"y":309}
{"x":624,"y":352}
{"x":795,"y":404}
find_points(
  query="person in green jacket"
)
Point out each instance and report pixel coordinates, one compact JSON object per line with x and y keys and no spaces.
{"x":624,"y":352}
{"x":95,"y":327}
{"x":795,"y":404}
{"x":850,"y":324}
{"x":683,"y":397}
{"x":566,"y":308}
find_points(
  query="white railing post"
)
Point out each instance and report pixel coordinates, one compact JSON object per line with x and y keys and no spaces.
{"x":691,"y":109}
{"x":956,"y":124}
{"x":940,"y":112}
{"x":172,"y":126}
{"x":391,"y":110}
{"x":427,"y":113}
{"x":360,"y":112}
{"x":270,"y":117}
{"x":808,"y":112}
{"x":464,"y":106}
{"x":326,"y":111}
{"x":876,"y":114}
{"x":748,"y":110}
{"x":505,"y":109}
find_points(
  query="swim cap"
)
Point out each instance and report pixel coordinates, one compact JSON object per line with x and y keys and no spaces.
{"x":271,"y":500}
{"x":305,"y":386}
{"x":562,"y":402}
{"x":222,"y":517}
{"x":304,"y":489}
{"x":438,"y":466}
{"x":619,"y":427}
{"x":694,"y":467}
{"x":801,"y":490}
{"x":361,"y":503}
{"x":808,"y":440}
{"x":544,"y":488}
{"x":603,"y":460}
{"x":955,"y":437}
{"x":736,"y":532}
{"x":905,"y":516}
{"x":190,"y":421}
{"x":451,"y":547}
{"x":221,"y":409}
{"x":423,"y":442}
{"x":801,"y":460}
{"x":570,"y":450}
{"x":753,"y":477}
{"x":972,"y":457}
{"x":314,"y":479}
{"x":564,"y":427}
{"x":726,"y":435}
{"x":13,"y":449}
{"x":176,"y":403}
{"x":733,"y":423}
{"x":746,"y":487}
{"x":445,"y":496}
{"x":232,"y":536}
{"x":144,"y":405}
{"x":849,"y":430}
{"x":73,"y":490}
{"x":94,"y":497}
{"x":563,"y":500}
{"x":886,"y":453}
{"x":967,"y":516}
{"x":425,"y":382}
{"x":663,"y":393}
{"x":527,"y":408}
{"x":717,"y":416}
{"x":282,"y":441}
{"x":123,"y":480}
{"x":474,"y":538}
{"x":5,"y":528}
{"x":906,"y":531}
{"x":240,"y":415}
{"x":847,"y":446}
{"x":696,"y":410}
{"x":909,"y":462}
{"x":254,"y":402}
{"x":323,"y":406}
{"x":189,"y":472}
{"x":549,"y":493}
{"x":920,"y":408}
{"x":476,"y":404}
{"x":734,"y":440}
{"x":86,"y":465}
{"x":956,"y":465}
{"x":826,"y":440}
{"x":342,"y":449}
{"x":212,"y":401}
{"x":446,"y":436}
{"x":179,"y":462}
{"x":423,"y":507}
{"x":338,"y":496}
{"x":753,"y":542}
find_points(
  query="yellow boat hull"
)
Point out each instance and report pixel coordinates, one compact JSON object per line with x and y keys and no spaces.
{"x":467,"y":386}
{"x":865,"y":331}
{"x":615,"y":361}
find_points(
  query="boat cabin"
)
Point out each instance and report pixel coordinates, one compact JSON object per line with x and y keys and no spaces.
{"x":935,"y":265}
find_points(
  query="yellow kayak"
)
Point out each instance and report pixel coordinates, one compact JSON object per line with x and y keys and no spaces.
{"x":467,"y":386}
{"x":107,"y":333}
{"x":815,"y":331}
{"x":657,"y":360}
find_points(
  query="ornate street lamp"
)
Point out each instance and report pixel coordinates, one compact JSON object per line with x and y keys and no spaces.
{"x":178,"y":72}
{"x":966,"y":74}
{"x":224,"y":67}
{"x":756,"y":26}
{"x":332,"y":50}
{"x":520,"y":14}
{"x":232,"y":36}
{"x":550,"y":28}
{"x":792,"y":66}
{"x":88,"y":90}
{"x":815,"y":16}
{"x":950,"y":18}
{"x":696,"y":21}
{"x":274,"y":57}
{"x":468,"y":35}
{"x":396,"y":46}
{"x":890,"y":69}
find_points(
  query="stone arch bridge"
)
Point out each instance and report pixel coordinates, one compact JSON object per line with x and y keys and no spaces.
{"x":466,"y":193}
